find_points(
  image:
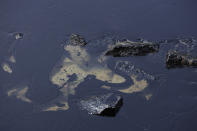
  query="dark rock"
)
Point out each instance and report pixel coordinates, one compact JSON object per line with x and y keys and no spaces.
{"x":77,"y":40}
{"x":176,"y":59}
{"x":103,"y":105}
{"x":129,"y":48}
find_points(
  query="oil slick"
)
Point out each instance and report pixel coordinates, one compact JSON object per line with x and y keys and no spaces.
{"x":57,"y":108}
{"x":106,"y":87}
{"x":136,"y":87}
{"x":20,"y":93}
{"x":80,"y":64}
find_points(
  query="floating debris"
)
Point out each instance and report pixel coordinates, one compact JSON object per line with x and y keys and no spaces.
{"x":12,"y":59}
{"x":18,"y":36}
{"x":6,"y":67}
{"x":148,"y":96}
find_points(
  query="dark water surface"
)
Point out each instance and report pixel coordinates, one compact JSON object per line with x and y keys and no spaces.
{"x":46,"y":23}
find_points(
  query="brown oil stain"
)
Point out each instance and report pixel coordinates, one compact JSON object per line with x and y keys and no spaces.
{"x":57,"y":108}
{"x":136,"y":87}
{"x":20,"y":93}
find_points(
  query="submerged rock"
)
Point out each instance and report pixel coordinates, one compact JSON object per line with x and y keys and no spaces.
{"x":130,"y":48}
{"x":103,"y":105}
{"x":176,"y":59}
{"x":130,"y":69}
{"x":77,"y":40}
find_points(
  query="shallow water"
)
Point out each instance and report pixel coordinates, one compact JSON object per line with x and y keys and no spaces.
{"x":46,"y":24}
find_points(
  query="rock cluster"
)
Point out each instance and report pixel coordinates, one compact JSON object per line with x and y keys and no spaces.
{"x":130,"y":48}
{"x":109,"y":104}
{"x":176,"y":59}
